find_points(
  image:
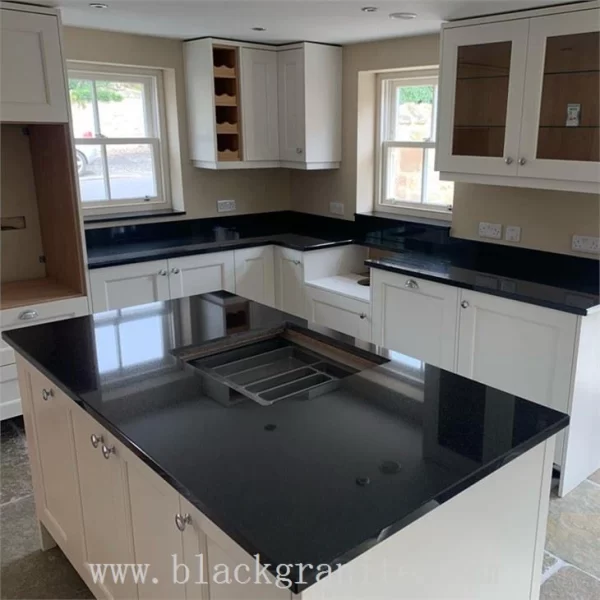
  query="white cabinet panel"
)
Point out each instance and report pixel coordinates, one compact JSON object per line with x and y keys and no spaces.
{"x":255,"y":274}
{"x":259,"y":97}
{"x":202,"y":273}
{"x":415,"y":317}
{"x":290,"y":294}
{"x":340,"y":313}
{"x":32,"y":78}
{"x":291,"y":105}
{"x":129,"y":285}
{"x":10,"y":398}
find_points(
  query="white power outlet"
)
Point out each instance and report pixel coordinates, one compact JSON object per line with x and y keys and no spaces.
{"x":586,"y":243}
{"x":512,"y":233}
{"x":336,"y":208}
{"x":225,"y":205}
{"x":490,"y":230}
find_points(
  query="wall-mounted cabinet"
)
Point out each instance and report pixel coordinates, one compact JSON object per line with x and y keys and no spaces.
{"x":258,"y":106}
{"x":519,"y":100}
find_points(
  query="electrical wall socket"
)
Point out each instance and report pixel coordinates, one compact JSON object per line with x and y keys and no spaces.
{"x":490,"y":230}
{"x":225,"y":205}
{"x":586,"y":243}
{"x":336,"y":208}
{"x":512,"y":233}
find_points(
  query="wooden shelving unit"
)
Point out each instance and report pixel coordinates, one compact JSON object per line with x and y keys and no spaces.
{"x":227,"y":113}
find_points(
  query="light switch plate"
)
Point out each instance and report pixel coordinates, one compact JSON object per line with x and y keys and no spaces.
{"x":336,"y":208}
{"x":225,"y":205}
{"x":512,"y":233}
{"x":586,"y":243}
{"x":490,"y":230}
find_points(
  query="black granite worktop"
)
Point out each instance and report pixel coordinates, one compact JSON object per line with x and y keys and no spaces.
{"x":314,"y":480}
{"x":421,"y":247}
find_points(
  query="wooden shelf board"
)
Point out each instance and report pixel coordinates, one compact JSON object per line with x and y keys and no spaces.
{"x":34,"y":291}
{"x":573,"y":128}
{"x":580,"y":72}
{"x":480,"y":127}
{"x":483,"y":77}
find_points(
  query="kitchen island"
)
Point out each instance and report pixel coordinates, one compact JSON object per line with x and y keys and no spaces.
{"x":241,"y":453}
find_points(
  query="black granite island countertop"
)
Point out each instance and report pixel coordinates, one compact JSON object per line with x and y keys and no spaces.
{"x":315,"y":478}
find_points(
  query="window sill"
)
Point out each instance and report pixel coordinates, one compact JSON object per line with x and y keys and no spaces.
{"x":424,"y":213}
{"x":130,"y":216}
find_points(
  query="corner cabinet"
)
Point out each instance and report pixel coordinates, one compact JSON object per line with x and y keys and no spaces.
{"x":519,"y":100}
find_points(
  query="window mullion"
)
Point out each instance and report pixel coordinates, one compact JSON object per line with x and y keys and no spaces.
{"x":95,"y":111}
{"x":424,"y":190}
{"x":106,"y":177}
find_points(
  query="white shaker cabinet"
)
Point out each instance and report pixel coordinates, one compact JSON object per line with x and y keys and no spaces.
{"x":310,"y":88}
{"x":415,"y":317}
{"x":259,"y":96}
{"x":129,"y":285}
{"x":201,"y":273}
{"x":30,"y":44}
{"x":290,"y":293}
{"x":255,"y":274}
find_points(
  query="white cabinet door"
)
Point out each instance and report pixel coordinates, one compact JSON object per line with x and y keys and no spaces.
{"x":519,"y":348}
{"x":33,"y":88}
{"x":104,"y":502}
{"x":202,"y":273}
{"x":340,"y":313}
{"x":259,"y":97}
{"x":562,"y":72}
{"x":415,"y":317}
{"x":49,"y":426}
{"x":255,"y":274}
{"x":291,"y":105}
{"x":156,"y":538}
{"x":481,"y":98}
{"x":290,"y":295}
{"x":129,"y":285}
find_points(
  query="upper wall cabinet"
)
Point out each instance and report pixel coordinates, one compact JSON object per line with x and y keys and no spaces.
{"x":310,"y":102}
{"x":32,"y":78}
{"x":519,"y":100}
{"x":257,"y":106}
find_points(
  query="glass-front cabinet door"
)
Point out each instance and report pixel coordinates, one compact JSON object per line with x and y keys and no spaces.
{"x":481,"y":98}
{"x":561,"y":112}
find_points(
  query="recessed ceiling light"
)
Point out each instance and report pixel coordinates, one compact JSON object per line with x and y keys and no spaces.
{"x":407,"y":16}
{"x":259,"y":29}
{"x":98,"y":5}
{"x":369,"y":9}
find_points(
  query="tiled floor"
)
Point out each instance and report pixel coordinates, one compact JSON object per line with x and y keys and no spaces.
{"x":571,"y":564}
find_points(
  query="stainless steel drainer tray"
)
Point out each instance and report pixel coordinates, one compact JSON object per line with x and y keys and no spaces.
{"x":271,"y":370}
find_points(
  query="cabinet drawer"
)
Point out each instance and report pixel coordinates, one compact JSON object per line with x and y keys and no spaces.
{"x":10,"y":398}
{"x":343,"y":314}
{"x":43,"y":313}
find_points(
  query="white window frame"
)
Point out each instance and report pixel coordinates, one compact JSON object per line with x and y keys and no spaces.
{"x":155,"y":114}
{"x":385,"y":122}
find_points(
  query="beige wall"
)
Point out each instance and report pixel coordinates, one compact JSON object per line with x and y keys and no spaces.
{"x":548,"y":219}
{"x":254,"y":190}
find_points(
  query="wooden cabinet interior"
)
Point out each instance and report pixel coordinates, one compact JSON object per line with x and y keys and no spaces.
{"x":227,"y":114}
{"x":571,"y":77}
{"x":42,"y":261}
{"x":481,"y":99}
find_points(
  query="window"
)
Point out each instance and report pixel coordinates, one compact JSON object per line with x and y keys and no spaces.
{"x":118,"y":125}
{"x":406,"y":143}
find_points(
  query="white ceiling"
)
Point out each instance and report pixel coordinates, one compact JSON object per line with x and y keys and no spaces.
{"x":334,"y":21}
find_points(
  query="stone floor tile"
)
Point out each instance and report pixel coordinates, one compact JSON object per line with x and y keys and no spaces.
{"x":595,"y":477}
{"x":18,"y":530}
{"x":15,"y":475}
{"x":569,"y":583}
{"x":574,"y":528}
{"x":549,"y":562}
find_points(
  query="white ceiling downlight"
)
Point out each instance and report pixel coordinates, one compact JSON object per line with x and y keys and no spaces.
{"x":404,"y":16}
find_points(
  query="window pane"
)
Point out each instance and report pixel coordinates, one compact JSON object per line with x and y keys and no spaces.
{"x":90,"y":169}
{"x":81,"y":95}
{"x":121,"y":109}
{"x":141,"y":341}
{"x":131,"y":171}
{"x":438,"y":192}
{"x":414,"y":113}
{"x":405,"y":166}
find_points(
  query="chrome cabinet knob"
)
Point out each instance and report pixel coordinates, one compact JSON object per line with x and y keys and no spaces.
{"x":297,"y":262}
{"x":96,"y":440}
{"x":182,"y":520}
{"x":175,"y":270}
{"x":508,"y":160}
{"x":107,"y":451}
{"x":298,"y":150}
{"x":163,"y":272}
{"x":363,"y":315}
{"x":28,"y":315}
{"x":522,"y":161}
{"x":47,"y":394}
{"x":464,"y":304}
{"x":411,"y":284}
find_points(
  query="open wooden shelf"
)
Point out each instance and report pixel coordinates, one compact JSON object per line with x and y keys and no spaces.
{"x":228,"y":155}
{"x":34,"y":291}
{"x":227,"y":128}
{"x":225,"y":100}
{"x":224,"y":72}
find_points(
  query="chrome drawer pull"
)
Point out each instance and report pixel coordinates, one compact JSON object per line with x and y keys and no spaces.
{"x":182,"y":520}
{"x":106,"y":451}
{"x":363,"y":315}
{"x":47,"y":394}
{"x":412,"y":284}
{"x":28,"y":315}
{"x":464,"y":304}
{"x":96,"y":440}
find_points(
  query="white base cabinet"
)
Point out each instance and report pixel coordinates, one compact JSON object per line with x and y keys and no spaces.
{"x":255,"y":274}
{"x":290,"y":294}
